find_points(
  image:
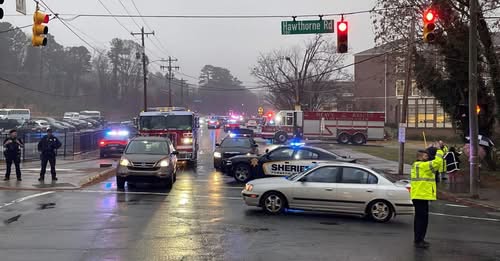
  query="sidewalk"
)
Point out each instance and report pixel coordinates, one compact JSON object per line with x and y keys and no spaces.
{"x":489,"y":196}
{"x":71,"y":174}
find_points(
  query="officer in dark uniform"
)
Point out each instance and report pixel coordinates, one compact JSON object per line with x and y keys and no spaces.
{"x":47,"y":148}
{"x":12,"y":152}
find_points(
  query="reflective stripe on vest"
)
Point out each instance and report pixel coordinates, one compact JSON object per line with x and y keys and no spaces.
{"x":418,"y":178}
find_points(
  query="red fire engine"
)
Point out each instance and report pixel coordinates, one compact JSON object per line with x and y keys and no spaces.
{"x":343,"y":126}
{"x":178,"y":124}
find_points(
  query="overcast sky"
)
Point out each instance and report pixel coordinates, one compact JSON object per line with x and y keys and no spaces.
{"x":231,"y":43}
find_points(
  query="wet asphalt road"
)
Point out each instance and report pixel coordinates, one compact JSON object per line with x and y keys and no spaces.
{"x":204,"y":218}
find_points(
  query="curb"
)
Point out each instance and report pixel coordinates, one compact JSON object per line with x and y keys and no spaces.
{"x":444,"y":195}
{"x":81,"y":184}
{"x":105,"y":174}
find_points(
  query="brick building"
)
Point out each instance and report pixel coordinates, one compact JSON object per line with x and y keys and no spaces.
{"x":379,"y":80}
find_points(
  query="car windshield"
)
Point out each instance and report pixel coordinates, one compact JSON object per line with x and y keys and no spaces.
{"x":173,"y":122}
{"x":151,"y":147}
{"x":3,"y":112}
{"x":236,"y":142}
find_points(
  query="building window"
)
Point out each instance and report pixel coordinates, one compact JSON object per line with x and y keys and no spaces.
{"x":422,"y":113}
{"x":400,"y":64}
{"x":349,"y":107}
{"x":427,"y":113}
{"x":400,"y":87}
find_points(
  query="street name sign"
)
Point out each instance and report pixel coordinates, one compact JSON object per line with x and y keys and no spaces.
{"x":307,"y":27}
{"x":21,"y":6}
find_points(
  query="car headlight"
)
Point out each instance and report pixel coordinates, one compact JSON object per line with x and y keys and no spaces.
{"x":124,"y":162}
{"x":164,"y":163}
{"x":217,"y":154}
{"x":187,"y":140}
{"x":249,"y":187}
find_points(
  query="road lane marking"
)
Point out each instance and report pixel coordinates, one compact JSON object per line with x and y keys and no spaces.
{"x":25,"y":198}
{"x":456,"y":206}
{"x":465,"y":217}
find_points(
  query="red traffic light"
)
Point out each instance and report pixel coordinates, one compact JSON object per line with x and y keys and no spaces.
{"x":342,"y":26}
{"x":429,"y":16}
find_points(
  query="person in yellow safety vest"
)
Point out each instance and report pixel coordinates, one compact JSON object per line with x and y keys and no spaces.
{"x":423,"y":190}
{"x":443,"y":146}
{"x":441,"y":170}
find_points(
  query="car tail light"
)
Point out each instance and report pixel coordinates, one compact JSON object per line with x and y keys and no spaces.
{"x":102,"y":143}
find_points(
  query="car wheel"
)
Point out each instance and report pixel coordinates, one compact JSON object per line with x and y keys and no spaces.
{"x":242,"y":173}
{"x":273,"y":203}
{"x":358,"y":139}
{"x":380,"y":211}
{"x":344,"y":138}
{"x":120,"y":183}
{"x":280,"y":137}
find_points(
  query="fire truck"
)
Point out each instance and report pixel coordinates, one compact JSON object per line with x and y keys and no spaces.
{"x":343,"y":126}
{"x":178,"y":124}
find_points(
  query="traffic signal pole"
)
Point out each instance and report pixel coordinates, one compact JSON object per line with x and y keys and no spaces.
{"x":473,"y":123}
{"x":404,"y":109}
{"x":144,"y":67}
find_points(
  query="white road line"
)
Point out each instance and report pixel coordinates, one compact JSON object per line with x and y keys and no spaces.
{"x":465,"y":217}
{"x":26,"y":198}
{"x":456,"y":206}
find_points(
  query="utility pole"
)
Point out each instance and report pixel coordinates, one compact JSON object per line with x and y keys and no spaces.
{"x":406,"y":93}
{"x":170,"y":77}
{"x":182,"y":92}
{"x":473,"y":125}
{"x":144,"y":66}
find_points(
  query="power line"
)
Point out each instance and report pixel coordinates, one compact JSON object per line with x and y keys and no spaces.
{"x":38,"y":91}
{"x":16,"y":28}
{"x":75,"y":16}
{"x":69,"y":28}
{"x":126,"y":10}
{"x":150,"y":29}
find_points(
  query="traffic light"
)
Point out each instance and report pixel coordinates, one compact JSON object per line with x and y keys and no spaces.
{"x":478,"y":109}
{"x":429,"y":26}
{"x":1,"y":10}
{"x":40,"y":30}
{"x":342,"y":36}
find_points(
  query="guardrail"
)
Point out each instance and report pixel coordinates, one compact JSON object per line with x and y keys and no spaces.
{"x":73,"y":143}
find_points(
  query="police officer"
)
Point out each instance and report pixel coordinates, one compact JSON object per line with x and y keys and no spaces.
{"x":12,"y":152}
{"x":423,"y":190}
{"x":441,"y":170}
{"x":47,"y":148}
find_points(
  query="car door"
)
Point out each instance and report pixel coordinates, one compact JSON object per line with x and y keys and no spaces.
{"x":316,"y":190}
{"x":355,"y":189}
{"x":277,"y":162}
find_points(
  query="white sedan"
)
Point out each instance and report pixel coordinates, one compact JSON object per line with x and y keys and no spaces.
{"x":333,"y":187}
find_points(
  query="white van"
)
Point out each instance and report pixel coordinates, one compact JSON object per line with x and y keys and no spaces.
{"x":90,"y":114}
{"x":21,"y":115}
{"x":71,"y":115}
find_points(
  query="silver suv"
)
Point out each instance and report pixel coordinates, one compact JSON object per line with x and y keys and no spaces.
{"x":147,"y":160}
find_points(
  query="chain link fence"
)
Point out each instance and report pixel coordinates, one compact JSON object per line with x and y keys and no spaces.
{"x":74,"y":144}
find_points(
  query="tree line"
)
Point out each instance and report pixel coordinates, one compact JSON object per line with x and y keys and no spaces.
{"x":54,"y":79}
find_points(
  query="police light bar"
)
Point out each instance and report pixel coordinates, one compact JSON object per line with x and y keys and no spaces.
{"x":232,"y":135}
{"x":121,"y":133}
{"x":297,"y":144}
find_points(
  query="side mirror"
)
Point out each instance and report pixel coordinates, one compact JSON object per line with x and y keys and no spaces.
{"x":175,"y":153}
{"x":267,"y":150}
{"x":217,"y":144}
{"x":256,"y":145}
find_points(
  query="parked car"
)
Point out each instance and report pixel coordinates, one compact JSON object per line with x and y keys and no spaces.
{"x":34,"y":126}
{"x":55,"y":124}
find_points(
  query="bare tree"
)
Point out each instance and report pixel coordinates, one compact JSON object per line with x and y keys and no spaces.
{"x":301,"y":75}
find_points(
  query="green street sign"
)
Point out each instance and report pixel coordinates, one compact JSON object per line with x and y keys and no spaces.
{"x":307,"y":27}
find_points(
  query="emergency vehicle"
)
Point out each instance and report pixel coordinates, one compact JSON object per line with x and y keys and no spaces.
{"x":282,"y":161}
{"x":343,"y":126}
{"x":176,"y":123}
